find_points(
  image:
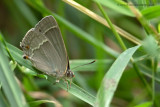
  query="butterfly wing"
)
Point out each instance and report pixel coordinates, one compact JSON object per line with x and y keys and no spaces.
{"x":50,"y":29}
{"x":46,"y":47}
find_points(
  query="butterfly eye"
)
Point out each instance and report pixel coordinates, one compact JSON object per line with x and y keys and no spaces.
{"x":68,"y":74}
{"x":73,"y":75}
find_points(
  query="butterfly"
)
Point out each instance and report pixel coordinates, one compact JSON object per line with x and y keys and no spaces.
{"x":43,"y":45}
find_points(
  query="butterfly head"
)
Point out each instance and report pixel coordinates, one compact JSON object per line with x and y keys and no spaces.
{"x":69,"y":74}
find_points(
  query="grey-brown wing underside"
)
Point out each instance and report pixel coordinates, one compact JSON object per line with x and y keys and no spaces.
{"x":46,"y":47}
{"x":52,"y":32}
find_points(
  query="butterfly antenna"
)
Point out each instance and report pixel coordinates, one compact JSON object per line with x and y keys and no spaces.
{"x":84,"y":64}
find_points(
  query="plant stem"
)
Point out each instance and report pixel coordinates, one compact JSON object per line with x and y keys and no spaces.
{"x":154,"y":70}
{"x":112,"y":27}
{"x":142,"y":78}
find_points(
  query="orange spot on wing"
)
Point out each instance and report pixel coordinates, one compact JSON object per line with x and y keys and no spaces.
{"x":25,"y":57}
{"x":27,"y":47}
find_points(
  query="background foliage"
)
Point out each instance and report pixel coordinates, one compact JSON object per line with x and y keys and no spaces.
{"x":108,"y":31}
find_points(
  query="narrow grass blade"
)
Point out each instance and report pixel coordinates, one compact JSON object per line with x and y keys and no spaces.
{"x":112,"y":77}
{"x":3,"y":102}
{"x":39,"y":102}
{"x":26,"y":12}
{"x":9,"y":84}
{"x":117,"y":5}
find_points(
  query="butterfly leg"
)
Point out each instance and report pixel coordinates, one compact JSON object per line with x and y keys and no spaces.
{"x":68,"y":87}
{"x":70,"y":83}
{"x":57,"y":79}
{"x":66,"y":83}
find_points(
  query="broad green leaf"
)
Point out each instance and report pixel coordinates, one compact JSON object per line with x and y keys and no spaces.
{"x":151,"y":12}
{"x":112,"y":78}
{"x":9,"y":85}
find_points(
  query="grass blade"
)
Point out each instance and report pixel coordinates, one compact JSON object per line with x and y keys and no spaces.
{"x":25,"y":11}
{"x":39,"y":102}
{"x":117,"y":5}
{"x":112,"y":77}
{"x":9,"y":84}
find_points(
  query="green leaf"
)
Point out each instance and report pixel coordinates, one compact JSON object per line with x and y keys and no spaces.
{"x":12,"y":65}
{"x":117,"y":5}
{"x":39,"y":102}
{"x":3,"y":102}
{"x":151,"y":12}
{"x":150,"y":46}
{"x":9,"y":84}
{"x":112,"y":77}
{"x":146,"y":104}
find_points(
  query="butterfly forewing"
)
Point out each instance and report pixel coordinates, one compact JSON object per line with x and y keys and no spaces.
{"x":47,"y":51}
